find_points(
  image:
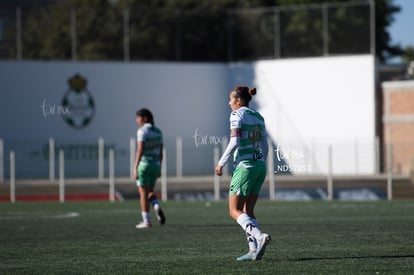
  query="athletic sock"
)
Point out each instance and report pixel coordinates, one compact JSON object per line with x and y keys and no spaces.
{"x":156,"y":204}
{"x":154,"y":201}
{"x":254,"y":221}
{"x":146,"y":217}
{"x":248,"y":225}
{"x":243,"y":220}
{"x":250,"y":240}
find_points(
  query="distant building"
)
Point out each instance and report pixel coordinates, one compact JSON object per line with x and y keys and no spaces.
{"x":398,"y":121}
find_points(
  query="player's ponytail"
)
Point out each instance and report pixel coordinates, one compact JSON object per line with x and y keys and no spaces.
{"x":252,"y":91}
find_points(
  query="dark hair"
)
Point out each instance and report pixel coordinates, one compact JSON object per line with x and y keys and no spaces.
{"x":244,"y":93}
{"x":146,"y":113}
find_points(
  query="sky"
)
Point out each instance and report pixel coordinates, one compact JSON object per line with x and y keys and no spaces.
{"x":402,"y":29}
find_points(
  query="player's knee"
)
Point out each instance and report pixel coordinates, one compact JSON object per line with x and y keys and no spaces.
{"x":151,"y":195}
{"x":234,"y":213}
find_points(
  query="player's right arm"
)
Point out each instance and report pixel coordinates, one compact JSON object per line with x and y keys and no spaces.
{"x":140,"y":150}
{"x":231,"y":147}
{"x":138,"y":156}
{"x":235,"y":133}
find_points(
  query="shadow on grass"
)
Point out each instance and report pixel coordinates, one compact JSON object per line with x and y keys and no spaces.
{"x":350,"y":257}
{"x":210,"y":225}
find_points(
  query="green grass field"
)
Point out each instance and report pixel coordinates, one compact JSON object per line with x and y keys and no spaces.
{"x":308,"y":238}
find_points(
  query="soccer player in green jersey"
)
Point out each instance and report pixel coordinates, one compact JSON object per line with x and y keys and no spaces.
{"x":147,"y":167}
{"x":248,"y":145}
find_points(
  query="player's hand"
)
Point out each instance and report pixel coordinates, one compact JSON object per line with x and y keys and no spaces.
{"x":219,"y":171}
{"x":135,"y":174}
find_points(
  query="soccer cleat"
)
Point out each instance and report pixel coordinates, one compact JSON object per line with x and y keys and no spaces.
{"x":262,"y":242}
{"x":160,"y":216}
{"x":142,"y":225}
{"x":246,"y":257}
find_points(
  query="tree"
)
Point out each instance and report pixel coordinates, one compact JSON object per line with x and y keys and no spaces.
{"x":384,"y":11}
{"x":192,"y":30}
{"x":408,"y":55}
{"x":48,"y":32}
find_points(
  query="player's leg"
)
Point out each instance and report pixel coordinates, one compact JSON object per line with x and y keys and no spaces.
{"x":238,"y":196}
{"x":236,"y":205}
{"x":153,"y":173}
{"x":143,"y":190}
{"x":253,"y":233}
{"x":261,"y":240}
{"x":257,"y":177}
{"x":249,"y":208}
{"x":146,"y":221}
{"x":249,"y":205}
{"x":241,"y":202}
{"x":251,"y":180}
{"x":152,"y":197}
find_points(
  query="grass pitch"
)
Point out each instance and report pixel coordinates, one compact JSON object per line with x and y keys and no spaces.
{"x":308,"y":238}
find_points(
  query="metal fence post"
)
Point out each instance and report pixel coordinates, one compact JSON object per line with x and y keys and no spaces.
{"x":126,"y":36}
{"x":270,"y":171}
{"x":101,"y":158}
{"x":377,"y":155}
{"x":224,"y":144}
{"x":389,"y":171}
{"x":51,"y":160}
{"x":325,"y":31}
{"x":372,"y":26}
{"x":230,"y":48}
{"x":356,"y":154}
{"x":330,"y":180}
{"x":132,"y":149}
{"x":19,"y":44}
{"x":179,"y":148}
{"x":73,"y":32}
{"x":111,"y":175}
{"x":177,"y":41}
{"x":164,"y":195}
{"x":12,"y":177}
{"x":61,"y":176}
{"x":1,"y":160}
{"x":216,"y":178}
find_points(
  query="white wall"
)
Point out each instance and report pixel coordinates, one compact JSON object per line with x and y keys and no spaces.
{"x":307,"y":103}
{"x":317,"y":102}
{"x":183,"y":98}
{"x":175,"y":93}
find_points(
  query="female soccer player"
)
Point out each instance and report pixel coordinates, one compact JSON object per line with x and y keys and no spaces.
{"x":147,"y":166}
{"x":248,"y":145}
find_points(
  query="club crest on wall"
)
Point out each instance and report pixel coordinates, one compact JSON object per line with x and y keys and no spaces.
{"x":80,"y":103}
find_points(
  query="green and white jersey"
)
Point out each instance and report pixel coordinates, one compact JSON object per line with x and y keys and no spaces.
{"x":252,"y":134}
{"x":152,"y":138}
